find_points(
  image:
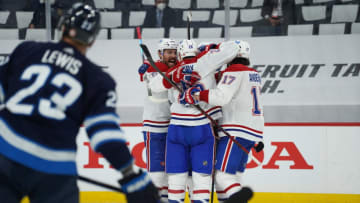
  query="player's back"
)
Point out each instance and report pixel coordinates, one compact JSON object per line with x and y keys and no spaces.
{"x":48,"y":90}
{"x":244,"y":111}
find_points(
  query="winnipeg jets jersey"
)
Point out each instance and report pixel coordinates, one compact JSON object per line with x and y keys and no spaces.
{"x":205,"y":64}
{"x":50,"y":90}
{"x":156,"y":116}
{"x":238,"y":92}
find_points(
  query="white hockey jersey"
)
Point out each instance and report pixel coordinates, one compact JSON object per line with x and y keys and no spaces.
{"x":238,"y":92}
{"x":156,"y":116}
{"x":205,"y":64}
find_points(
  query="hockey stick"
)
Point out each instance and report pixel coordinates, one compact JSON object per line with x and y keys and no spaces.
{"x":154,"y":99}
{"x":95,"y":182}
{"x":140,"y":42}
{"x":188,"y":24}
{"x":151,"y":61}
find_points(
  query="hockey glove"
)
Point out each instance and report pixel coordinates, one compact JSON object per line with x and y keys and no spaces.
{"x":259,"y":147}
{"x":186,"y":76}
{"x":207,"y":47}
{"x":138,"y":188}
{"x":142,"y":70}
{"x":189,"y":95}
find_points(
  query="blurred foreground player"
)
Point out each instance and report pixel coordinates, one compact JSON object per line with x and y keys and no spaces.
{"x":49,"y":90}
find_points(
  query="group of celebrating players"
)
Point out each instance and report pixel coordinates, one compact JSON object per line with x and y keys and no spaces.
{"x":180,"y":139}
{"x":48,"y":90}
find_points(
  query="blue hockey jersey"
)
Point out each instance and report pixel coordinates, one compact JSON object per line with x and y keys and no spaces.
{"x":49,"y":91}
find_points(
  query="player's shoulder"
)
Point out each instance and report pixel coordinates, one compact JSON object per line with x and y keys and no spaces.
{"x":98,"y":74}
{"x":162,"y":66}
{"x":239,"y":68}
{"x":28,"y":47}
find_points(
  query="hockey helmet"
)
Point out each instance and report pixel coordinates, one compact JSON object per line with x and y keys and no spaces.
{"x":167,"y":43}
{"x":81,"y":23}
{"x":187,"y":48}
{"x":244,"y":51}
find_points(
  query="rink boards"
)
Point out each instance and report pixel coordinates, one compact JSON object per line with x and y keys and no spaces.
{"x":311,"y":81}
{"x":299,"y":163}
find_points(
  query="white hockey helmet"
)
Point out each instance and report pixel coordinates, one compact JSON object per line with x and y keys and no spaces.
{"x":244,"y":51}
{"x":187,"y":48}
{"x":167,"y":43}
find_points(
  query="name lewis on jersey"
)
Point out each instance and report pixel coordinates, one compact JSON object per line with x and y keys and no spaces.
{"x":62,"y":60}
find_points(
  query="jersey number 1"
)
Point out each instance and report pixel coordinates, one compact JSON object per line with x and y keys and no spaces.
{"x":53,"y":107}
{"x":256,"y":110}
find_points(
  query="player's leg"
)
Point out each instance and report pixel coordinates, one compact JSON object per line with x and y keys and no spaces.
{"x":10,"y":191}
{"x":190,"y":185}
{"x":155,"y":161}
{"x":226,"y":164}
{"x":177,"y":163}
{"x":202,"y":157}
{"x":230,"y":158}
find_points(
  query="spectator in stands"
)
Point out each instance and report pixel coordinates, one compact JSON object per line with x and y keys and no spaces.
{"x":58,"y":8}
{"x":160,"y":16}
{"x":278,"y":14}
{"x":39,"y":16}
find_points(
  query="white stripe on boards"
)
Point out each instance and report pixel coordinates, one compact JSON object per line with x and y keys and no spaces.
{"x":33,"y":148}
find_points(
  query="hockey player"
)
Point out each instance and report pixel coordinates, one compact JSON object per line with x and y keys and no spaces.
{"x":50,"y":90}
{"x":156,"y":116}
{"x":238,"y":92}
{"x":190,"y":138}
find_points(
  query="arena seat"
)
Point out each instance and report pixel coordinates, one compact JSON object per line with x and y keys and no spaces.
{"x":180,"y":33}
{"x":122,"y":33}
{"x":103,"y":34}
{"x":332,"y":29}
{"x":243,"y":31}
{"x":104,"y":4}
{"x":197,"y":15}
{"x":153,"y":33}
{"x":344,"y":13}
{"x":250,"y":15}
{"x":111,"y":19}
{"x":8,"y":34}
{"x":136,"y":18}
{"x":313,"y":13}
{"x":4,"y":16}
{"x":35,"y":34}
{"x":210,"y":32}
{"x":219,"y":17}
{"x":257,"y":3}
{"x":303,"y":29}
{"x":209,"y":4}
{"x":23,"y":18}
{"x":148,"y":2}
{"x":324,"y":1}
{"x":180,"y":4}
{"x":355,"y":28}
{"x":238,"y":4}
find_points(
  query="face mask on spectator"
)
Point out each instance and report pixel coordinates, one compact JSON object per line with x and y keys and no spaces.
{"x":161,"y":6}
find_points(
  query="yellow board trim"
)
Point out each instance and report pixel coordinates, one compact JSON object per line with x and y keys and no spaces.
{"x":259,"y":197}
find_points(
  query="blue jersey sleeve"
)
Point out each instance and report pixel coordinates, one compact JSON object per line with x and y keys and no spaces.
{"x":3,"y":81}
{"x":103,"y":124}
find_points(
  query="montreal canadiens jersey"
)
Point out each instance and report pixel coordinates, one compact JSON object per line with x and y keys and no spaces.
{"x":50,"y":90}
{"x":156,"y":116}
{"x":205,"y":64}
{"x":238,"y":92}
